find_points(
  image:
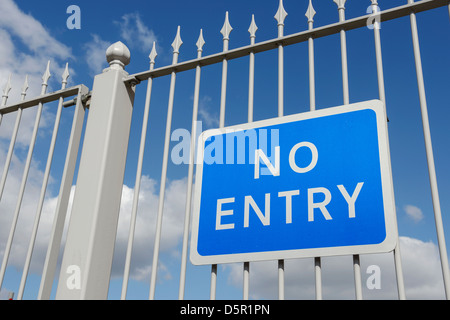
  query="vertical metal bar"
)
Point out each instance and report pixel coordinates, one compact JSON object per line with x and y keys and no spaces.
{"x":43,"y":189}
{"x":251,"y":90}
{"x":310,"y":13}
{"x":24,"y":178}
{"x":48,"y":273}
{"x":13,"y":139}
{"x":430,"y":157}
{"x":212,"y":295}
{"x":176,"y":46}
{"x":382,"y":95}
{"x":10,"y":151}
{"x":280,"y":16}
{"x":137,"y":184}
{"x":187,"y":212}
{"x":226,"y":30}
{"x":345,"y":89}
{"x":318,"y":274}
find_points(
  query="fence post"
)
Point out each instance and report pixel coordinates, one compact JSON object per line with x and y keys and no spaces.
{"x":87,"y":260}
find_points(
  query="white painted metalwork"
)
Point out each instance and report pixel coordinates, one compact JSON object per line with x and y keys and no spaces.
{"x":95,"y":210}
{"x":7,"y":252}
{"x":65,"y":76}
{"x":280,"y":16}
{"x":176,"y":51}
{"x":51,"y":259}
{"x":93,"y":185}
{"x":137,"y":184}
{"x":382,"y":96}
{"x":310,"y":13}
{"x":429,"y":153}
{"x":251,"y":92}
{"x":184,"y":257}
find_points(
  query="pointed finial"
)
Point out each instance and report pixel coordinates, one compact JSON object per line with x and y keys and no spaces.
{"x":310,"y":13}
{"x":153,"y":54}
{"x":177,"y":42}
{"x":281,"y":14}
{"x":24,"y":88}
{"x":340,"y":3}
{"x":374,"y":2}
{"x":253,"y":28}
{"x":200,"y":42}
{"x":226,"y":29}
{"x":118,"y":56}
{"x":45,"y":78}
{"x":46,"y":74}
{"x":65,"y":75}
{"x":7,"y":87}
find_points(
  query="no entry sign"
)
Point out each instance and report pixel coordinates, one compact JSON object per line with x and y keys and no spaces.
{"x":308,"y":185}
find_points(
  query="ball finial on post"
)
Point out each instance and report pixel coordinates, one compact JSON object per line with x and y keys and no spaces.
{"x":118,"y":55}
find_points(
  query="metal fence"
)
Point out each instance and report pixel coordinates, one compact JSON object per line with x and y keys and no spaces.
{"x":90,"y":242}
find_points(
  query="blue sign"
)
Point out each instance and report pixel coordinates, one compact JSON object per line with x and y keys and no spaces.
{"x":308,"y":185}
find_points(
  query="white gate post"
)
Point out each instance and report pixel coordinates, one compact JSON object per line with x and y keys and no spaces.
{"x":87,"y":260}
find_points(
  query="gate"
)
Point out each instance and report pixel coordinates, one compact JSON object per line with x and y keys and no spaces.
{"x":85,"y":269}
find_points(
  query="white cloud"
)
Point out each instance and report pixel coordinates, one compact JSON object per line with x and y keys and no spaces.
{"x":96,"y":54}
{"x":37,"y":46}
{"x":413,"y":212}
{"x":204,"y":113}
{"x":172,"y":232}
{"x":135,"y":33}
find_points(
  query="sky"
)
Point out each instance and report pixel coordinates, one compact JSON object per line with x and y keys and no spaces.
{"x":34,"y":32}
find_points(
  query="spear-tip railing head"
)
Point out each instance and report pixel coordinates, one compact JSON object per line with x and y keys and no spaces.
{"x":281,"y":14}
{"x":226,"y":29}
{"x":118,"y":56}
{"x":24,"y":88}
{"x":176,"y":44}
{"x":6,"y":91}
{"x":45,"y":78}
{"x":7,"y":87}
{"x":340,"y":3}
{"x":200,"y":42}
{"x":65,"y":75}
{"x":153,"y":54}
{"x":253,"y":28}
{"x":310,"y":13}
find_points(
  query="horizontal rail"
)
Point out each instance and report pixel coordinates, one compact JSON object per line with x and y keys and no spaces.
{"x":299,"y":37}
{"x":45,"y":98}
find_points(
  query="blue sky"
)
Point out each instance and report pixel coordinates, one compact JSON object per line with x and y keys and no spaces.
{"x":33,"y":32}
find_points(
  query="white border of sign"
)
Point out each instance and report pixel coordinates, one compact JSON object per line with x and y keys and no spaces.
{"x":386,"y":181}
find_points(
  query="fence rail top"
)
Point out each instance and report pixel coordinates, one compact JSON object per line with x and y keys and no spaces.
{"x":302,"y":36}
{"x":45,"y":98}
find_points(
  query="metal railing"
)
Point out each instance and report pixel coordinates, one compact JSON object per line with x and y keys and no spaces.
{"x":100,"y":179}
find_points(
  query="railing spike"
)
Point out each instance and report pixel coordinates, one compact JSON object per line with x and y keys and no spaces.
{"x":177,"y":42}
{"x":340,"y":3}
{"x":153,"y":54}
{"x":45,"y":78}
{"x":6,"y":90}
{"x":24,"y":88}
{"x":65,"y":75}
{"x":226,"y":29}
{"x":200,"y":41}
{"x":310,"y":13}
{"x":253,"y":28}
{"x":281,"y":14}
